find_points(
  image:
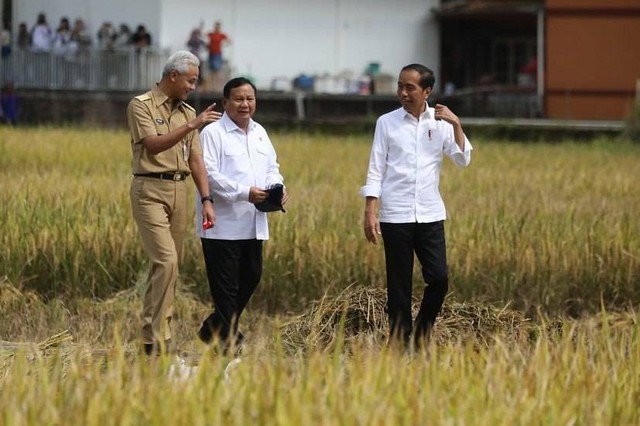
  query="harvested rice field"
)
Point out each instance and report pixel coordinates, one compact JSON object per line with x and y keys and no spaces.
{"x":540,"y":326}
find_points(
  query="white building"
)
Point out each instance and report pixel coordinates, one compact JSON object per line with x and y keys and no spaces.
{"x":271,"y":39}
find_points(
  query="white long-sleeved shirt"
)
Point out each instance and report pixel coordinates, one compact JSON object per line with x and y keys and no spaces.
{"x":236,"y":161}
{"x":404,"y":166}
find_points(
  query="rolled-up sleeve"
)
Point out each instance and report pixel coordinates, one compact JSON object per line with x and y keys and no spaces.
{"x":273,"y":169}
{"x":452,"y":150}
{"x":377,"y":163}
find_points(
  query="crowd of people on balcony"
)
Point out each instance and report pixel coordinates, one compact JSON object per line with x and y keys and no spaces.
{"x":68,"y":38}
{"x":72,"y":54}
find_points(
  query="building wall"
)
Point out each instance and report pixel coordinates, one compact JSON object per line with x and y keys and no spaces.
{"x":622,"y":5}
{"x":592,"y":58}
{"x":275,"y":38}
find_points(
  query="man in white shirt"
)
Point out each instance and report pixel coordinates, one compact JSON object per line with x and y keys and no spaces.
{"x":241,"y":163}
{"x":404,"y":173}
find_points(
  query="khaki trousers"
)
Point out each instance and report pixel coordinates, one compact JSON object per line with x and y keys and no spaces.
{"x":159,"y":208}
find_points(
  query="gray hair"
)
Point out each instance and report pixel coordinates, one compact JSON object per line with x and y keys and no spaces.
{"x":180,"y":62}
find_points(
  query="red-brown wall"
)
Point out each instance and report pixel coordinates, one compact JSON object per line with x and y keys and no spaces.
{"x":592,"y":58}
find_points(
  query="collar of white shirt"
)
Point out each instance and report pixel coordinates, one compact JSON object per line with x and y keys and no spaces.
{"x":429,"y":113}
{"x":230,"y":126}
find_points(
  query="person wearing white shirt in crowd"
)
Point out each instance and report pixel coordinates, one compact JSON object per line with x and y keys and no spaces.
{"x":62,"y":37}
{"x":404,"y":174}
{"x":41,"y":35}
{"x":241,"y":163}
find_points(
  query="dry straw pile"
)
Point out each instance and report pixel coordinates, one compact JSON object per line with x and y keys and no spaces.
{"x":359,"y":315}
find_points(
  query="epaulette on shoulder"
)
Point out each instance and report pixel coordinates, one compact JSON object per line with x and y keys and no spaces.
{"x":144,"y":97}
{"x":189,"y":107}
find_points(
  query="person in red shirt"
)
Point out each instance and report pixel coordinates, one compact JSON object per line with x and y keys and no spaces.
{"x":530,"y":69}
{"x":216,"y":38}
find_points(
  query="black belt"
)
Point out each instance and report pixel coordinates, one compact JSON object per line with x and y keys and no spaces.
{"x":176,"y":177}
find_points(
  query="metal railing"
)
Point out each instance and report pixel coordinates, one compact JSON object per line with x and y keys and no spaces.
{"x":495,"y":101}
{"x":91,"y":69}
{"x":137,"y":70}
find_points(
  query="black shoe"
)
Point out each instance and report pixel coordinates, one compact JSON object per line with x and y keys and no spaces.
{"x":159,"y":349}
{"x":239,"y":339}
{"x":148,"y":349}
{"x":205,"y":333}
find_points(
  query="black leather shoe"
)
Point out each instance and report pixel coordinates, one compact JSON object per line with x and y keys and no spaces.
{"x":159,"y":349}
{"x":205,"y":333}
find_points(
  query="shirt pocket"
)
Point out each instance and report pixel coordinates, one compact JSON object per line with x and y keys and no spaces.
{"x":161,"y":128}
{"x":262,"y":149}
{"x":232,"y":150}
{"x":432,"y":140}
{"x":234,"y":159}
{"x":261,"y":161}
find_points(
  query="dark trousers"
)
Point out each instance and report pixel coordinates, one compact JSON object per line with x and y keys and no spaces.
{"x":234,"y":269}
{"x":427,"y":241}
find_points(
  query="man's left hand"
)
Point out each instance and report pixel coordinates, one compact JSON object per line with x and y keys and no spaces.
{"x":208,"y":213}
{"x":442,"y":112}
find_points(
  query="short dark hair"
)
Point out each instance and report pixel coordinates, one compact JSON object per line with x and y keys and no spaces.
{"x":427,"y":79}
{"x":234,"y":83}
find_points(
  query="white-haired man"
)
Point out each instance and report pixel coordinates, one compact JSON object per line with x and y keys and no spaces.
{"x":166,"y":149}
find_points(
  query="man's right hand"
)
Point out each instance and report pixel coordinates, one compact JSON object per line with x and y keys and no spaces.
{"x":371,"y":224}
{"x":257,"y":195}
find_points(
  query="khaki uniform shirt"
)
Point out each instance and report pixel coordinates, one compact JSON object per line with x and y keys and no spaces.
{"x":152,"y":114}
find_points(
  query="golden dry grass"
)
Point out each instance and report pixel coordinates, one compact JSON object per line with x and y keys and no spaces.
{"x":538,"y":236}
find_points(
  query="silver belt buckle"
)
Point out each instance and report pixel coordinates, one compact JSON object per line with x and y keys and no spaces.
{"x":177,"y":177}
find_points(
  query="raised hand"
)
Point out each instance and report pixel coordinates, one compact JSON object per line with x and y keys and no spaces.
{"x":205,"y":117}
{"x":442,"y":112}
{"x":208,"y":115}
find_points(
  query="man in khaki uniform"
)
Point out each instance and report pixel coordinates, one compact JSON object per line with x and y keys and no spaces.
{"x":166,"y":149}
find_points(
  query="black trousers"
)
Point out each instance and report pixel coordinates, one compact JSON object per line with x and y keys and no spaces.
{"x":234,"y":269}
{"x":427,"y":241}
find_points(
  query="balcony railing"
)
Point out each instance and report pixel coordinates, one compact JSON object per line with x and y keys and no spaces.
{"x":91,"y":69}
{"x":134,"y":71}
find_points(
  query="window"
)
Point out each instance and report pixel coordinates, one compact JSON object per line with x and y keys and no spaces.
{"x":509,"y":55}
